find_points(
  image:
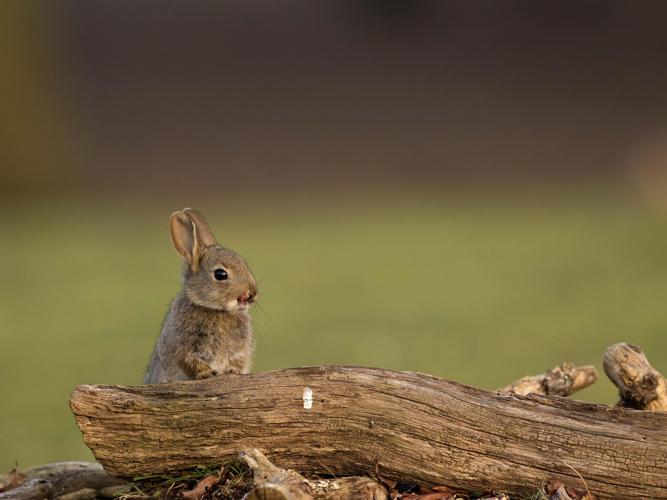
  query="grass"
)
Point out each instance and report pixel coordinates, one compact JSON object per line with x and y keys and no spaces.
{"x":234,"y":480}
{"x":481,"y":292}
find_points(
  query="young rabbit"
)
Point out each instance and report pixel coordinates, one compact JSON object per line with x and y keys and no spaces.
{"x":207,"y":330}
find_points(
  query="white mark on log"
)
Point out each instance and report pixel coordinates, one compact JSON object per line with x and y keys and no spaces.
{"x":307,"y":398}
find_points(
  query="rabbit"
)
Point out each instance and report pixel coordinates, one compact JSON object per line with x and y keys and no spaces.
{"x":207,"y":331}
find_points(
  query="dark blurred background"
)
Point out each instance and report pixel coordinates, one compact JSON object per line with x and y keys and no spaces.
{"x":266,"y":97}
{"x":435,"y":186}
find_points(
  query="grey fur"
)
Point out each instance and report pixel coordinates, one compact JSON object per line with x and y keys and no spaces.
{"x":207,"y":330}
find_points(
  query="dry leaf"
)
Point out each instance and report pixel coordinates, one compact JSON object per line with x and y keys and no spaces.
{"x":200,"y":488}
{"x":553,"y":486}
{"x":437,"y":495}
{"x":558,"y":491}
{"x":390,"y":484}
{"x":560,"y":494}
{"x":579,"y":494}
{"x":444,"y":489}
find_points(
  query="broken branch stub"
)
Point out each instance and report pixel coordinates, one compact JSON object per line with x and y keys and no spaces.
{"x":272,"y":482}
{"x":640,"y":385}
{"x":562,"y":380}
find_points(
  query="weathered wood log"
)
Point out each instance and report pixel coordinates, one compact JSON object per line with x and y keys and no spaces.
{"x":62,"y":480}
{"x":640,"y":385}
{"x":274,"y":483}
{"x":345,"y":420}
{"x":562,"y":380}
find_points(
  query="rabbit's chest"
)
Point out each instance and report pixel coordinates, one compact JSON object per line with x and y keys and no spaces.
{"x":230,"y":340}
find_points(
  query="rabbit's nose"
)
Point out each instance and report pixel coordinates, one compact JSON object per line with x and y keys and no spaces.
{"x":247,"y":297}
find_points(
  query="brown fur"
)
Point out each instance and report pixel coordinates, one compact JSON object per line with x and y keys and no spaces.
{"x":207,"y":330}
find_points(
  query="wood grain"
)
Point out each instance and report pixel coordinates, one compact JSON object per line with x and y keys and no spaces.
{"x":416,"y":427}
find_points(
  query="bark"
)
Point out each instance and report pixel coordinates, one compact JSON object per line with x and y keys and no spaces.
{"x":272,"y":482}
{"x":562,"y":380}
{"x":640,"y":385}
{"x":62,"y":480}
{"x":345,"y":420}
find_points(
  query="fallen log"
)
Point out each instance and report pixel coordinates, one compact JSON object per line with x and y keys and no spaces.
{"x":562,"y":380}
{"x":640,"y":386}
{"x":346,"y":420}
{"x":61,"y":480}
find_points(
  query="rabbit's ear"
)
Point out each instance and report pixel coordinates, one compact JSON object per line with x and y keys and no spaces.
{"x":203,"y":232}
{"x":184,"y":237}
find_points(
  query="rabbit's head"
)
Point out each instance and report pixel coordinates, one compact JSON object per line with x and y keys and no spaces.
{"x":214,"y":277}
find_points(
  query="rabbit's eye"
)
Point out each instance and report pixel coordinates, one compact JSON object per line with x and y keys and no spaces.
{"x":220,"y":274}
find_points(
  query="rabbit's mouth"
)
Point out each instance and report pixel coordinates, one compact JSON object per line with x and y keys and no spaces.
{"x":243,"y":301}
{"x":237,"y":305}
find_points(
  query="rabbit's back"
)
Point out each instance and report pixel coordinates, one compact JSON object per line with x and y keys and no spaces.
{"x":160,"y":372}
{"x":163,"y":366}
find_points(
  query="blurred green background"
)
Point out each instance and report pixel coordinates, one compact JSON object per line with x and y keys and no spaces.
{"x":477,"y":193}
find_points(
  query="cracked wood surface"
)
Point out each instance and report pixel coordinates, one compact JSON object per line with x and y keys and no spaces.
{"x":416,"y":427}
